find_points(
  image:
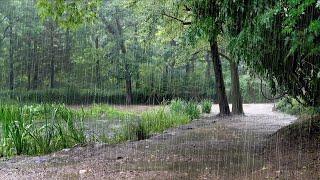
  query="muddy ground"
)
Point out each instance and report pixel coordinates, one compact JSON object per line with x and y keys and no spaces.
{"x":212,"y":147}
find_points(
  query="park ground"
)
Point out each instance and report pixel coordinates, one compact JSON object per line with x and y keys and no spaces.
{"x":212,"y":147}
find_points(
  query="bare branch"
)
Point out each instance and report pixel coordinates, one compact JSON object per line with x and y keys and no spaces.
{"x":175,"y":18}
{"x":225,"y":56}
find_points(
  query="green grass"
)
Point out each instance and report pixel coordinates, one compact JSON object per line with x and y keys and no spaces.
{"x":158,"y":120}
{"x":43,"y":128}
{"x":190,"y":108}
{"x":107,"y":112}
{"x":24,"y":133}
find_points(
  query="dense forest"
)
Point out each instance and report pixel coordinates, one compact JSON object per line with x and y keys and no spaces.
{"x":126,"y":54}
{"x":76,"y":73}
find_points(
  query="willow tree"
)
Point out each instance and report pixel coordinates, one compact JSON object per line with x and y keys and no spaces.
{"x":281,"y":43}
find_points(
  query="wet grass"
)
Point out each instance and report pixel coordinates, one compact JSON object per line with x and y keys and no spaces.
{"x":34,"y":130}
{"x":44,"y":128}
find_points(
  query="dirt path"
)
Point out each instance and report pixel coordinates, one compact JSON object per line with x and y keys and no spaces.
{"x":209,"y":148}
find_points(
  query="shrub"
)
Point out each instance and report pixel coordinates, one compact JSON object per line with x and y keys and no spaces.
{"x":292,"y":106}
{"x":192,"y":110}
{"x":189,"y":108}
{"x":206,"y":106}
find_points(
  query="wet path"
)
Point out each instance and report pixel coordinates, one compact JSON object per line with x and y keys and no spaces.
{"x":209,"y":148}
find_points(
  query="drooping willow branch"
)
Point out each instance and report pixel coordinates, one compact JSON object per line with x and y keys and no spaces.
{"x":272,"y":98}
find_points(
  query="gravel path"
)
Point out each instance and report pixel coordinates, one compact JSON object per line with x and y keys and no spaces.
{"x":209,"y":148}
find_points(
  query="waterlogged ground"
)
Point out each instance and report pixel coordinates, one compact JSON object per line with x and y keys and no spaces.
{"x":209,"y":148}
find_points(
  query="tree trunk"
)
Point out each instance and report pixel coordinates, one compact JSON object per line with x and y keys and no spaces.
{"x":35,"y":67}
{"x":98,"y":76}
{"x":29,"y":64}
{"x":128,"y":85}
{"x":165,"y":80}
{"x":209,"y":71}
{"x":127,"y":66}
{"x":237,"y":107}
{"x":11,"y":66}
{"x":220,"y":87}
{"x":52,"y":63}
{"x":68,"y":51}
{"x":138,"y":80}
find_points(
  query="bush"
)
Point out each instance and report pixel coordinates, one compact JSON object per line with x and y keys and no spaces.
{"x":73,"y":95}
{"x":192,"y":110}
{"x":189,"y":108}
{"x":292,"y":106}
{"x":206,"y":106}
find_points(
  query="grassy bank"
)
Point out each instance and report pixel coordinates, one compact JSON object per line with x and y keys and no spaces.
{"x":45,"y":128}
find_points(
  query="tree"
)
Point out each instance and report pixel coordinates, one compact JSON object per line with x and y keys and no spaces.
{"x":281,"y":43}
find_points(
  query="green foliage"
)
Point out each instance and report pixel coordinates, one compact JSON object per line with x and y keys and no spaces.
{"x":292,"y":106}
{"x":206,"y":106}
{"x":189,"y":108}
{"x":70,"y":14}
{"x":177,"y":105}
{"x":279,"y":43}
{"x":86,"y":96}
{"x":156,"y":121}
{"x":149,"y":123}
{"x":108,"y":112}
{"x":41,"y":129}
{"x":192,"y":110}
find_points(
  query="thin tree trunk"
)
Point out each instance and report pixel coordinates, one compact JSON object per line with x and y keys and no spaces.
{"x":128,"y":85}
{"x":68,"y":51}
{"x":237,"y":107}
{"x":35,"y":67}
{"x":29,"y":64}
{"x":138,"y":80}
{"x":98,"y":76}
{"x":220,"y":87}
{"x":11,"y":65}
{"x":52,"y":63}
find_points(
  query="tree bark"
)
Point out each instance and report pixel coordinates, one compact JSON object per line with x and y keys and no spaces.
{"x":209,"y":71}
{"x":219,"y":85}
{"x":237,"y":107}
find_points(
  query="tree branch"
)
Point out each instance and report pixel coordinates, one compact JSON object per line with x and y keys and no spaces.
{"x":225,"y":56}
{"x":175,"y":18}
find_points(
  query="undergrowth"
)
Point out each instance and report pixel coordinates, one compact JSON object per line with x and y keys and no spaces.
{"x":292,"y":106}
{"x":33,"y":130}
{"x":206,"y":106}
